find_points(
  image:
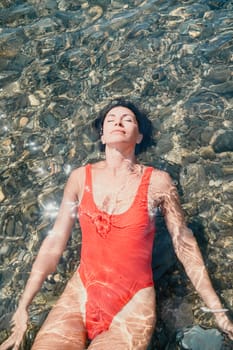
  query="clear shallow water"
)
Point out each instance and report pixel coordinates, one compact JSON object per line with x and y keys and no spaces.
{"x":60,"y":62}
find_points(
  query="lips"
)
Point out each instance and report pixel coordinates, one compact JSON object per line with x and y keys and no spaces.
{"x":118,"y":131}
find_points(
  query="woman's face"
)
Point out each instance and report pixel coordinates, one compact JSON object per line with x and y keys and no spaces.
{"x":121,"y":126}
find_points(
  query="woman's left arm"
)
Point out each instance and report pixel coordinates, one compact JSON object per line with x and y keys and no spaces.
{"x":188,"y":252}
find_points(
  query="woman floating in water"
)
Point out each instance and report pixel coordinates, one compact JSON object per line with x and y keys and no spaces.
{"x":111,"y":298}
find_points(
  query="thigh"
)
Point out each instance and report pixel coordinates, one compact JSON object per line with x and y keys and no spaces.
{"x":132,"y":327}
{"x":64,"y":327}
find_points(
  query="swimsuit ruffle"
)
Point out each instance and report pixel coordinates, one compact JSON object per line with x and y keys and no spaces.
{"x":102,"y":224}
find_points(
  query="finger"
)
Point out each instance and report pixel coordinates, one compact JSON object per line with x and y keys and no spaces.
{"x":228,"y":332}
{"x":230,"y":335}
{"x":12,"y":324}
{"x":12,"y":341}
{"x":7,"y":344}
{"x":16,"y":347}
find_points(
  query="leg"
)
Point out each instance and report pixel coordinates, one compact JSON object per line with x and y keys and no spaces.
{"x":132,"y":327}
{"x":64,"y":327}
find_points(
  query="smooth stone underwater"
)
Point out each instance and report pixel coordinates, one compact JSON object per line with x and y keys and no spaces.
{"x":60,"y":63}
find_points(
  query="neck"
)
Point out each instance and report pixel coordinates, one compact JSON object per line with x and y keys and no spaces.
{"x":116,"y":160}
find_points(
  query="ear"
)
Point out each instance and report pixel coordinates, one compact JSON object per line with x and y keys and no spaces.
{"x":139,"y":138}
{"x":102,"y":139}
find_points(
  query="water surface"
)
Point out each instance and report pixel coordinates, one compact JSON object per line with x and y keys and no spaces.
{"x":60,"y":62}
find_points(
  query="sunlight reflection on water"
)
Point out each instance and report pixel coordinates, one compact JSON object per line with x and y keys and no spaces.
{"x":60,"y":61}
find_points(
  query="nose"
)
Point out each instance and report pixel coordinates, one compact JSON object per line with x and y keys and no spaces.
{"x":118,"y":122}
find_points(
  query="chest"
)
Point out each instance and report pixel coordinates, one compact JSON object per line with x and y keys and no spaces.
{"x":115,"y":195}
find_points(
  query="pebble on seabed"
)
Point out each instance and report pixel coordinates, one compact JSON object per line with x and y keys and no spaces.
{"x":60,"y":62}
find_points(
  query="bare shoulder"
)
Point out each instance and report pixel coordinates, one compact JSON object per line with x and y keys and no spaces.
{"x":76,"y":180}
{"x":77,"y":177}
{"x":77,"y":174}
{"x":161,"y":180}
{"x":98,"y":165}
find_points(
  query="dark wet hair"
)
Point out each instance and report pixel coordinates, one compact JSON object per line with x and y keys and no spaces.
{"x":145,"y":125}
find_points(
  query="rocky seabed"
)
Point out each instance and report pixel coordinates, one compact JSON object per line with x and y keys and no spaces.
{"x":60,"y":62}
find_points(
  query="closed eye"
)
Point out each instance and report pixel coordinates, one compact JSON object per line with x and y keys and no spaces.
{"x":124,"y":118}
{"x":129,"y":119}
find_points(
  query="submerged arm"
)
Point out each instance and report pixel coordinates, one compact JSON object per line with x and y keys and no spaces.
{"x":188,"y":252}
{"x":53,"y":245}
{"x":45,"y":263}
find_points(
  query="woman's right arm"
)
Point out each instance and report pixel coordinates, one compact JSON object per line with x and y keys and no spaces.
{"x":54,"y":244}
{"x":47,"y":259}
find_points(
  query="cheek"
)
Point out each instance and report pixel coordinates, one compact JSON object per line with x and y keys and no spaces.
{"x":139,"y":139}
{"x":136,"y":132}
{"x":105,"y":125}
{"x":105,"y":129}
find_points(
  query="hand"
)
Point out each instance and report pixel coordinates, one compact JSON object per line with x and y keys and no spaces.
{"x":224,"y":324}
{"x":19,"y":327}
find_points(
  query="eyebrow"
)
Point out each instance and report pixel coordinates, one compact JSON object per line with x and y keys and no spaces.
{"x":124,"y":115}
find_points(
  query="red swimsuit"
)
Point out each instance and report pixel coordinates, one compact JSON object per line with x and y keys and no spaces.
{"x":116,"y":254}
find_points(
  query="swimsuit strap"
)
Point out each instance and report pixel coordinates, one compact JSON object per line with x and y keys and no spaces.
{"x":88,"y":180}
{"x":142,"y":191}
{"x":87,"y":194}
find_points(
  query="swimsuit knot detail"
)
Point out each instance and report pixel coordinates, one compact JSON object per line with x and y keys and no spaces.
{"x":102,"y":223}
